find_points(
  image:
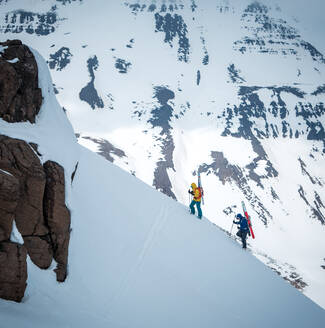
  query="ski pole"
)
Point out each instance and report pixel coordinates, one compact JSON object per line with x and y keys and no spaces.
{"x":231,"y":227}
{"x":189,"y":201}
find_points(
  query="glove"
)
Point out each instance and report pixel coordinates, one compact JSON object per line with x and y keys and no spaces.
{"x":190,"y":192}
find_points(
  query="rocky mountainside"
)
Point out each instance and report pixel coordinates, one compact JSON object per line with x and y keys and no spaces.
{"x":233,"y":89}
{"x":34,"y":218}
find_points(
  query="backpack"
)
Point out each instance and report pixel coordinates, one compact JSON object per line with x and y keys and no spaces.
{"x":200,"y":190}
{"x":244,"y":224}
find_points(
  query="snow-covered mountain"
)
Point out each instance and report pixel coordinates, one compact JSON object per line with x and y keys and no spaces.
{"x":136,"y":257}
{"x":234,"y":89}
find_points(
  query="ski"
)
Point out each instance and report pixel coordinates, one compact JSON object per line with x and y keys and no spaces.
{"x":248,"y":219}
{"x":200,"y":185}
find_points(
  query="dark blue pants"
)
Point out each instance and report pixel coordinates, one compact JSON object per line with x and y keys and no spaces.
{"x":243,"y":235}
{"x":198,"y":206}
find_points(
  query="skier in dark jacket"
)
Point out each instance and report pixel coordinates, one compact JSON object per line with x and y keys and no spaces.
{"x":243,"y":228}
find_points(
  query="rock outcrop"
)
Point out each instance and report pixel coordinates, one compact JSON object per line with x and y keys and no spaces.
{"x":31,"y":195}
{"x":13,"y":271}
{"x":18,"y":158}
{"x":9,"y":195}
{"x":20,"y":96}
{"x":57,"y":216}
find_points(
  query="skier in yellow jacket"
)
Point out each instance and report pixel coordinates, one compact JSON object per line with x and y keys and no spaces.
{"x":197,"y":195}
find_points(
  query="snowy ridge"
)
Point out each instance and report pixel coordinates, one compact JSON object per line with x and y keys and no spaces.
{"x":233,"y":88}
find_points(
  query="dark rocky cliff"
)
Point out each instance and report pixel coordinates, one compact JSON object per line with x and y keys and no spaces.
{"x":31,"y":194}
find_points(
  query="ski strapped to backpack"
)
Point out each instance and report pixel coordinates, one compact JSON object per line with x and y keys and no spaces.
{"x":248,"y":219}
{"x":200,"y":186}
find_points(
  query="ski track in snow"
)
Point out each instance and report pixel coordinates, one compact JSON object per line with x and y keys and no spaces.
{"x":153,"y":233}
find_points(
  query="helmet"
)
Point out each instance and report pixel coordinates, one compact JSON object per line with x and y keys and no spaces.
{"x":238,"y":216}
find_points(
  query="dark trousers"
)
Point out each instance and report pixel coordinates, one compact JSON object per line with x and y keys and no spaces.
{"x":243,"y":235}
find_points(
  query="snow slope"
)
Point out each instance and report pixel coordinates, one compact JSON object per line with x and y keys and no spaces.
{"x":137,"y":258}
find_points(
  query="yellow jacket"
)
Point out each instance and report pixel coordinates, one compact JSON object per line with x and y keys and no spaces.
{"x":197,"y":193}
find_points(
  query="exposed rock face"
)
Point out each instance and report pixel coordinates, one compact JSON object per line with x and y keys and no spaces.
{"x":57,"y":216}
{"x":9,"y":194}
{"x":34,"y":197}
{"x":20,"y":96}
{"x":13,"y":271}
{"x":40,"y":250}
{"x":30,"y":194}
{"x":18,"y":158}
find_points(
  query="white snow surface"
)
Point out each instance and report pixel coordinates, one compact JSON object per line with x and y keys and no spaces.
{"x":139,"y":259}
{"x":5,"y":172}
{"x":2,"y":48}
{"x":13,"y":61}
{"x":15,"y":236}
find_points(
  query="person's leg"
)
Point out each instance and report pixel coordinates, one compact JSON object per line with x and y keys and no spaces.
{"x":243,"y":238}
{"x":199,"y":211}
{"x":192,"y":207}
